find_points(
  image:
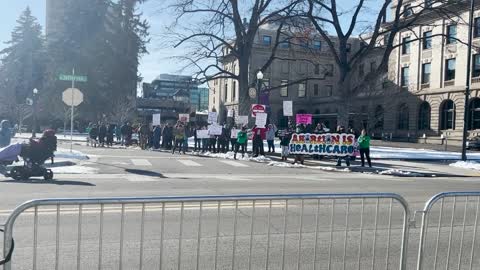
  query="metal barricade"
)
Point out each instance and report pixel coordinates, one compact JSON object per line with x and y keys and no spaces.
{"x":448,"y":236}
{"x":297,"y":231}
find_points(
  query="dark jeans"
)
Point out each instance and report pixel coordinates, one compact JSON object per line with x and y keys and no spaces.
{"x":271,"y":146}
{"x":211,"y":145}
{"x":365,"y":152}
{"x":222,"y":146}
{"x":205,"y":145}
{"x":233,"y":142}
{"x":258,"y":148}
{"x":238,"y":146}
{"x":178,"y":144}
{"x":198,"y":145}
{"x":347,"y":160}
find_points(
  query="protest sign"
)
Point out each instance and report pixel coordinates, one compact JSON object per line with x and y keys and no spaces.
{"x":329,"y":144}
{"x":212,"y":117}
{"x":234,"y":134}
{"x":261,"y":120}
{"x":230,"y":113}
{"x":241,"y":120}
{"x":258,"y":108}
{"x":287,"y":108}
{"x":156,"y":119}
{"x":215,"y":129}
{"x":185,"y":117}
{"x":202,"y":134}
{"x":304,"y":119}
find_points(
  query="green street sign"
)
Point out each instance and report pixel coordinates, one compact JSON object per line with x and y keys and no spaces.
{"x":76,"y":78}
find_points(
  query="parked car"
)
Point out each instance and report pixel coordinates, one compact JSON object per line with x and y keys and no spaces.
{"x":473,"y":143}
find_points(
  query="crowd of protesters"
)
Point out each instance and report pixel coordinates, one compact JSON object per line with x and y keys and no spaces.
{"x":174,"y":138}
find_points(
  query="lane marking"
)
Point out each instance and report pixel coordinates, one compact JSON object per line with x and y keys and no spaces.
{"x":234,"y":163}
{"x":190,"y":163}
{"x":141,"y":162}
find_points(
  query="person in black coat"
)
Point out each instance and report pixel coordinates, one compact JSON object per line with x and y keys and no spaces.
{"x":110,"y":134}
{"x":102,"y":133}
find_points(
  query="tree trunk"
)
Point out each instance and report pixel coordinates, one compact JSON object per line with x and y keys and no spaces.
{"x":243,"y":83}
{"x":344,"y":104}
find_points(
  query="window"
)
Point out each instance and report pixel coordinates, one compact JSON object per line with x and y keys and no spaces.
{"x":361,"y":70}
{"x":406,"y":45}
{"x":476,"y":66}
{"x":379,"y":112}
{"x":450,"y":70}
{"x":327,"y":92}
{"x":476,"y":27}
{"x":427,"y":40}
{"x":452,"y":34}
{"x":405,"y":76}
{"x":407,"y":10}
{"x":303,"y":43}
{"x":234,"y":90}
{"x":426,"y":70}
{"x":284,"y":89}
{"x":317,"y":69}
{"x":267,"y":40}
{"x":315,"y":90}
{"x":403,"y":117}
{"x":225,"y":92}
{"x":317,"y":45}
{"x":447,"y":115}
{"x":424,"y":114}
{"x":301,"y":90}
{"x":474,"y":114}
{"x":285,"y":66}
{"x":373,"y":66}
{"x":329,"y":70}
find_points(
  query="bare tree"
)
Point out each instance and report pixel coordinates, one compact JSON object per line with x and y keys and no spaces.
{"x":123,"y":109}
{"x":377,"y":36}
{"x":226,"y":29}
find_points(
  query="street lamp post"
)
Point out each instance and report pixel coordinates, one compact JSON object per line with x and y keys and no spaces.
{"x":259,"y":85}
{"x":467,"y":85}
{"x":34,"y":105}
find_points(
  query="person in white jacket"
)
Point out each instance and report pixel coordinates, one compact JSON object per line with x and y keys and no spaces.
{"x":270,"y":136}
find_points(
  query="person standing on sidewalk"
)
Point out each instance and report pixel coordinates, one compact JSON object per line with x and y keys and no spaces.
{"x":285,"y":144}
{"x":364,"y":145}
{"x":179,"y":133}
{"x":341,"y":130}
{"x":242,"y":139}
{"x":259,"y":135}
{"x":271,"y":130}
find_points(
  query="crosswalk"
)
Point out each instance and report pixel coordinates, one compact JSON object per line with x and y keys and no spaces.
{"x":186,"y":162}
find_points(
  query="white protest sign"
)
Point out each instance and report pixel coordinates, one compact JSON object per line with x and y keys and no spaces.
{"x":156,"y":119}
{"x":215,"y":130}
{"x":212,"y":117}
{"x":184,"y":117}
{"x":287,"y":108}
{"x":261,"y":120}
{"x":230,"y":113}
{"x":241,"y":120}
{"x":202,"y":134}
{"x":234,"y":134}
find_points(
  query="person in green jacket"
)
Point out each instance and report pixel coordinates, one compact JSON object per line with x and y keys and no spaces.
{"x":364,"y":145}
{"x":242,"y":139}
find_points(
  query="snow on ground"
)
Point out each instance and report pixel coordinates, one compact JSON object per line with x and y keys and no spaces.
{"x":291,"y":165}
{"x":417,"y":154}
{"x":66,"y":154}
{"x":230,"y":155}
{"x":467,"y":165}
{"x":77,"y":169}
{"x":396,"y":172}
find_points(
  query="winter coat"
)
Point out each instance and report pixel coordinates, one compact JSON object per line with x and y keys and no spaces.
{"x":270,"y":134}
{"x":5,"y":133}
{"x":364,"y":142}
{"x":259,"y":131}
{"x":285,"y":141}
{"x":242,"y":137}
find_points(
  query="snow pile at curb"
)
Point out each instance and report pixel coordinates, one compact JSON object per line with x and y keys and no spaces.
{"x":466,"y":165}
{"x":66,"y":154}
{"x":231,"y":155}
{"x":290,"y":165}
{"x":396,"y":172}
{"x":379,"y":152}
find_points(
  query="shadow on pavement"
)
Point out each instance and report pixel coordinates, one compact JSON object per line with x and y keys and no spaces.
{"x":145,"y":173}
{"x":50,"y":182}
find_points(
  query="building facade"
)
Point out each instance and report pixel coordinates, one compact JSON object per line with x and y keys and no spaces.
{"x":433,"y":70}
{"x":199,"y":99}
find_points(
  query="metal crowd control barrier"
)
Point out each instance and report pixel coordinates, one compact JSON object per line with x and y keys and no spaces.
{"x":448,"y":236}
{"x":314,"y":231}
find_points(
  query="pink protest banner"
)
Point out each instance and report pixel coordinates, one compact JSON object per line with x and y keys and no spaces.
{"x":304,"y":119}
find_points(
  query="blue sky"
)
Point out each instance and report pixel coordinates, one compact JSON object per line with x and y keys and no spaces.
{"x":151,"y":65}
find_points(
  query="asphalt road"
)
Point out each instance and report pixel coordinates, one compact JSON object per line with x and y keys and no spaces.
{"x":281,"y":234}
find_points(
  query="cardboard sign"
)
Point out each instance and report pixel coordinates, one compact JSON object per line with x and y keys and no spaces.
{"x":215,"y":129}
{"x":287,"y":108}
{"x":212,"y":117}
{"x":234,"y":134}
{"x":241,"y":120}
{"x":258,"y":108}
{"x":203,"y":134}
{"x":304,"y":119}
{"x":261,"y":120}
{"x":329,"y":144}
{"x":156,"y":119}
{"x":184,"y":117}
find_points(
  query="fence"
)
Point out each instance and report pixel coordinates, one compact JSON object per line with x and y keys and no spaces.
{"x":448,"y":237}
{"x":314,"y":231}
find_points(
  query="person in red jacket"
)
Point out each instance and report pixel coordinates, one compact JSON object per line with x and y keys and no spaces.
{"x":258,"y":136}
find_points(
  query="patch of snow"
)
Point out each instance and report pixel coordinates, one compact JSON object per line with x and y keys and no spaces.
{"x":261,"y":159}
{"x":396,"y":172}
{"x":467,"y":165}
{"x":66,"y":154}
{"x":291,"y":165}
{"x":74,"y":170}
{"x":417,"y":154}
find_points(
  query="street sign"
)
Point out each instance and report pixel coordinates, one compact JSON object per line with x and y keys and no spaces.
{"x":258,"y":108}
{"x":72,"y":78}
{"x":72,"y":97}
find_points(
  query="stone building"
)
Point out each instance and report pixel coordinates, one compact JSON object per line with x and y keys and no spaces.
{"x":432,"y":69}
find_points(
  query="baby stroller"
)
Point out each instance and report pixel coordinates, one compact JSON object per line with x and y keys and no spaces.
{"x":34,"y":155}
